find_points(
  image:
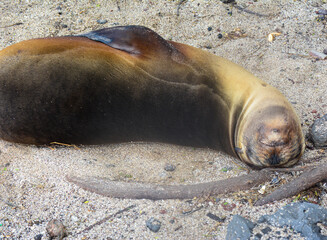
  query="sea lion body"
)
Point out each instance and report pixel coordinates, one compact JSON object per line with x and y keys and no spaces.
{"x":129,"y":84}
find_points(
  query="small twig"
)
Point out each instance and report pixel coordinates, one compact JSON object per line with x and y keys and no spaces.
{"x":179,"y":5}
{"x":192,"y":211}
{"x":133,"y":190}
{"x":65,"y":144}
{"x":306,"y":180}
{"x":11,"y":25}
{"x":107,"y":218}
{"x":250,"y":12}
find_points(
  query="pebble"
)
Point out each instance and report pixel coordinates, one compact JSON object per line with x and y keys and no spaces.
{"x":170,"y":167}
{"x":239,"y":228}
{"x":220,"y":35}
{"x":38,"y":237}
{"x":258,"y":236}
{"x":227,"y":1}
{"x":56,"y":229}
{"x":153,"y":224}
{"x":266,"y":230}
{"x":209,"y":29}
{"x":319,"y":132}
{"x":102,"y":21}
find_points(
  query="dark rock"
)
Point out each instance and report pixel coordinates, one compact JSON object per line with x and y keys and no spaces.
{"x":170,"y":167}
{"x":301,"y":217}
{"x":319,"y":132}
{"x":227,"y":1}
{"x":220,"y":35}
{"x":209,"y":29}
{"x":239,"y":228}
{"x":325,"y":51}
{"x":258,"y":236}
{"x":38,"y":237}
{"x":266,"y":230}
{"x":56,"y":229}
{"x":102,"y":21}
{"x":153,"y":224}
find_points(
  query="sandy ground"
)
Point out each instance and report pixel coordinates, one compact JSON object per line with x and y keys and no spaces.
{"x":33,"y":188}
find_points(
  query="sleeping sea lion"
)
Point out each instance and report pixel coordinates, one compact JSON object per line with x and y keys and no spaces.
{"x":129,"y":84}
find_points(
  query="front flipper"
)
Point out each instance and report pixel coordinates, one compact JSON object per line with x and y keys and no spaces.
{"x":135,"y":40}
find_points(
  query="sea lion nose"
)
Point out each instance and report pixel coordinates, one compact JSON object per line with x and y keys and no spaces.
{"x":274,"y":159}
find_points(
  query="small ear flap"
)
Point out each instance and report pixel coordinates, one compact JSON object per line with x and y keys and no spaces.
{"x":136,"y":40}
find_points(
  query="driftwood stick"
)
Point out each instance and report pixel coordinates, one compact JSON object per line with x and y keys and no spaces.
{"x":306,"y":180}
{"x":134,"y":190}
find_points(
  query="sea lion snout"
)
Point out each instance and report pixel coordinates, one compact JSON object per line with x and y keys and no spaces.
{"x":272,"y":139}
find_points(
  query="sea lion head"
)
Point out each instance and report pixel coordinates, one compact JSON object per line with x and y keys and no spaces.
{"x":270,"y":137}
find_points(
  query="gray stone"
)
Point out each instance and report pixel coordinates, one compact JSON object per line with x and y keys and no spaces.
{"x":170,"y":167}
{"x":153,"y":224}
{"x":56,"y":229}
{"x":102,"y":21}
{"x":319,"y":132}
{"x":239,"y":228}
{"x":302,"y":217}
{"x":37,"y":237}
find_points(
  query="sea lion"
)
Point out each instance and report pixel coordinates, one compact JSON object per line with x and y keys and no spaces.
{"x":129,"y":84}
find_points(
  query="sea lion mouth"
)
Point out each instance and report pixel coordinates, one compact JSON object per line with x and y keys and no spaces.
{"x":281,"y":155}
{"x":274,"y":159}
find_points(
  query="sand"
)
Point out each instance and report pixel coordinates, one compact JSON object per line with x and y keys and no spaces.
{"x":33,"y":188}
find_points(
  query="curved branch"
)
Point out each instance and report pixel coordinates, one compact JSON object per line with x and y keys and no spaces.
{"x":134,"y":190}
